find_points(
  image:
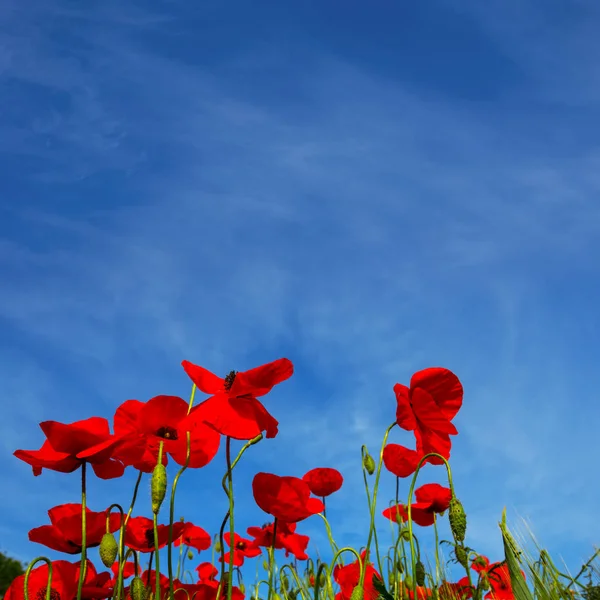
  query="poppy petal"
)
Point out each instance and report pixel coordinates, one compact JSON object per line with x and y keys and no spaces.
{"x":443,"y":385}
{"x":205,"y":381}
{"x":261,"y":380}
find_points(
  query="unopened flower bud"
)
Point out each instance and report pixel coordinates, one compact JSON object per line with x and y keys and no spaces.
{"x":358,"y":593}
{"x":218,"y":546}
{"x":408,"y":582}
{"x":285,"y":583}
{"x":461,"y":556}
{"x":420,"y":573}
{"x":322,"y":579}
{"x":137,"y":589}
{"x":485,"y":582}
{"x":190,"y":555}
{"x":158,"y":486}
{"x":369,"y":464}
{"x":108,"y":550}
{"x":399,"y":566}
{"x":405,"y":534}
{"x":265,"y":565}
{"x":242,"y":588}
{"x":458,"y":519}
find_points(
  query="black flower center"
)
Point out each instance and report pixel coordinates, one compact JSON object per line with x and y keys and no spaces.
{"x":41,"y":594}
{"x":149,"y":535}
{"x":168,"y":433}
{"x":229,"y":379}
{"x":241,"y":545}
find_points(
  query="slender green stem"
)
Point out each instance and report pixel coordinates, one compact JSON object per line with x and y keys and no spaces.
{"x":231,"y":521}
{"x":117,"y":591}
{"x":438,"y":569}
{"x":83,"y":568}
{"x":28,"y":572}
{"x":271,"y":560}
{"x":155,"y":528}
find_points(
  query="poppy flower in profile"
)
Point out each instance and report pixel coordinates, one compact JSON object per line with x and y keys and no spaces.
{"x":68,"y":446}
{"x":139,"y":534}
{"x":348,"y":576}
{"x":427,"y":407}
{"x":65,"y":579}
{"x":499,"y":578}
{"x":323,"y":481}
{"x":286,"y":538}
{"x":455,"y":591}
{"x":142,"y":426}
{"x":285,"y":498}
{"x":431,"y":498}
{"x":194,"y":537}
{"x":64,"y":535}
{"x":233,"y":409}
{"x":242,"y":549}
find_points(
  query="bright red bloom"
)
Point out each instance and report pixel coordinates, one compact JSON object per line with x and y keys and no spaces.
{"x":431,"y":498}
{"x":149,"y":579}
{"x":139,"y":534}
{"x":194,"y":537}
{"x":128,"y":571}
{"x":64,"y":535}
{"x":242,"y":549}
{"x":499,"y":578}
{"x":207,"y":590}
{"x":423,"y":593}
{"x":323,"y":481}
{"x":348,"y":577}
{"x":455,"y":591}
{"x":65,"y":578}
{"x":400,"y":461}
{"x":427,"y":407}
{"x":206,"y":572}
{"x":286,"y":538}
{"x":285,"y":498}
{"x":233,"y":410}
{"x":144,"y":425}
{"x":68,"y":446}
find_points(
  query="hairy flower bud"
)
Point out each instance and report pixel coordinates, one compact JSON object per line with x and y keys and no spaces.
{"x":458,"y":519}
{"x":420,"y":573}
{"x":137,"y":589}
{"x":461,"y":556}
{"x":400,"y":566}
{"x":218,"y":547}
{"x":369,"y":464}
{"x":322,"y":579}
{"x":405,"y":534}
{"x":190,"y":555}
{"x":158,"y":486}
{"x":484,"y":584}
{"x":408,"y":582}
{"x":358,"y":593}
{"x":285,"y":583}
{"x":108,"y":550}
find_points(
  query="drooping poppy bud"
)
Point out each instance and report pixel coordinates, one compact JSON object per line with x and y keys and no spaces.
{"x":399,"y":566}
{"x":108,"y":550}
{"x":408,"y":582}
{"x":158,"y":486}
{"x":461,"y":556}
{"x":358,"y":593}
{"x":420,"y":573}
{"x":369,"y":464}
{"x":458,"y":519}
{"x":137,"y":589}
{"x":190,"y":555}
{"x":405,"y":534}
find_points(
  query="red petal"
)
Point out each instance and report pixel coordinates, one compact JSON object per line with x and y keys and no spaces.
{"x":399,"y":460}
{"x":431,"y":441}
{"x":76,"y":437}
{"x":404,"y":412}
{"x":204,"y":443}
{"x":109,"y":469}
{"x":161,"y":412}
{"x":260,"y":380}
{"x":429,"y":413}
{"x":47,"y":458}
{"x":443,"y":385}
{"x":126,"y":419}
{"x":205,"y":381}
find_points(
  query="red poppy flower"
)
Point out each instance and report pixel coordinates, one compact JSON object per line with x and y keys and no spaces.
{"x":65,"y":579}
{"x":194,"y":537}
{"x":499,"y":578}
{"x":144,"y":425}
{"x":233,"y":410}
{"x":427,"y":407}
{"x":149,"y":579}
{"x":285,"y":498}
{"x":431,"y":498}
{"x":455,"y":591}
{"x":206,"y":572}
{"x":64,"y":535}
{"x":207,"y":590}
{"x":347,"y":578}
{"x":423,"y":593}
{"x":286,"y":538}
{"x":68,"y":446}
{"x":128,"y":571}
{"x":323,"y":481}
{"x":242,"y":549}
{"x":139,"y":534}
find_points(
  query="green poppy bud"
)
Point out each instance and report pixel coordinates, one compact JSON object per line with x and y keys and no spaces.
{"x":405,"y":534}
{"x":369,"y":464}
{"x":137,"y":589}
{"x":108,"y":550}
{"x":461,"y":556}
{"x":400,"y":566}
{"x":420,"y":573}
{"x":458,"y":519}
{"x":190,"y":555}
{"x":158,"y":486}
{"x":408,"y":582}
{"x":358,"y":592}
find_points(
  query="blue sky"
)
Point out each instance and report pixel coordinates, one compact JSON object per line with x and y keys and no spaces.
{"x":366,"y":190}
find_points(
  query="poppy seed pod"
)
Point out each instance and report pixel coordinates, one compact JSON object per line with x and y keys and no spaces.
{"x":358,"y":593}
{"x":158,"y":486}
{"x":138,"y":590}
{"x":108,"y":550}
{"x":420,"y":573}
{"x":458,"y":519}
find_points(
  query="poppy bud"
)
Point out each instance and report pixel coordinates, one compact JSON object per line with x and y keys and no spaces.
{"x":108,"y":550}
{"x":405,"y":534}
{"x":285,"y":583}
{"x":461,"y":556}
{"x":190,"y":555}
{"x":458,"y":519}
{"x":265,"y":565}
{"x":400,"y":566}
{"x":420,"y":573}
{"x":137,"y":589}
{"x":485,"y":582}
{"x":218,"y":546}
{"x":408,"y":582}
{"x":358,"y":593}
{"x":276,"y":596}
{"x":392,"y":579}
{"x":158,"y":486}
{"x":242,"y":588}
{"x":322,"y":579}
{"x":369,"y":464}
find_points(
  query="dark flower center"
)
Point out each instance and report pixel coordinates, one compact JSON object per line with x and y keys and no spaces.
{"x":241,"y":545}
{"x":41,"y":594}
{"x":149,"y":535}
{"x":229,"y":379}
{"x":169,"y":433}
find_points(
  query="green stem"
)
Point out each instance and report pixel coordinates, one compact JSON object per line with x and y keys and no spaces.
{"x":272,"y":560}
{"x":28,"y":572}
{"x":155,"y":528}
{"x":83,"y":568}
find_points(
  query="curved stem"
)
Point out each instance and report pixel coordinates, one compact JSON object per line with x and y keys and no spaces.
{"x":28,"y":572}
